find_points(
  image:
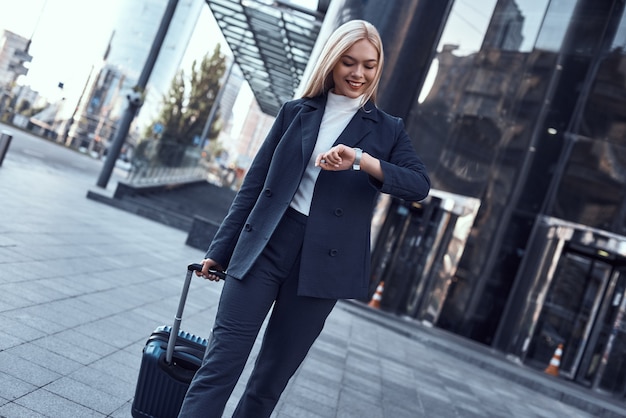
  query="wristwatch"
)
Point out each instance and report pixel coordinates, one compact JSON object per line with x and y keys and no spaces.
{"x":356,"y":165}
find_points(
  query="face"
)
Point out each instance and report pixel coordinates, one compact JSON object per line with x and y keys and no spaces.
{"x":356,"y":69}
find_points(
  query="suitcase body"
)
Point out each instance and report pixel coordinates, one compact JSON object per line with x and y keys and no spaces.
{"x":161,"y":386}
{"x":170,"y":359}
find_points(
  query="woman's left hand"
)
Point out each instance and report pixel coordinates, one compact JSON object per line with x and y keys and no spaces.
{"x":341,"y":157}
{"x":338,"y":158}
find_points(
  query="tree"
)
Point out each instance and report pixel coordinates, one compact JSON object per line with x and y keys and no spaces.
{"x":187,"y":106}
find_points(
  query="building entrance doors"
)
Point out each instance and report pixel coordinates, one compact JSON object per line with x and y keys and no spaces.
{"x":607,"y":342}
{"x":417,"y":251}
{"x":571,"y":290}
{"x":584,"y":311}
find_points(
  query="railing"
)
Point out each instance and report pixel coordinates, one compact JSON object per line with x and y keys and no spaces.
{"x":163,"y":175}
{"x":165,"y":162}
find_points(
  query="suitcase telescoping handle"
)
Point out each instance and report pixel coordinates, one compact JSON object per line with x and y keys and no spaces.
{"x":169,"y":355}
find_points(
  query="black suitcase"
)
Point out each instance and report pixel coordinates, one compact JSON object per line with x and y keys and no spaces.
{"x":170,"y":359}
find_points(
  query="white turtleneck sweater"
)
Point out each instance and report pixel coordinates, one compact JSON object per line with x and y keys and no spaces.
{"x":337,"y":114}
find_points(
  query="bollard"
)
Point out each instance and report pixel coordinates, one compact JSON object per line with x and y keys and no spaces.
{"x":5,"y":141}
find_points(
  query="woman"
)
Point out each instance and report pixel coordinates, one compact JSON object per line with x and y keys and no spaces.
{"x":297,"y":235}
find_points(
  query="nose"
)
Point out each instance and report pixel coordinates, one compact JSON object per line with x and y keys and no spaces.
{"x":358,"y":71}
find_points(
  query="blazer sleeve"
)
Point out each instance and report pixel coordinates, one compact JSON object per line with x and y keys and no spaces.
{"x":223,"y":244}
{"x":404,"y":172}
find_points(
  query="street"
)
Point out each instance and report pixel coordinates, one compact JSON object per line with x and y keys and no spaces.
{"x":42,"y":154}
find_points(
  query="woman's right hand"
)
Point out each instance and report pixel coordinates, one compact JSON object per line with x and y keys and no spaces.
{"x":207,"y":264}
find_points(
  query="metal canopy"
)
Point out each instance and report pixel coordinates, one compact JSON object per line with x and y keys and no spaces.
{"x":271,"y":42}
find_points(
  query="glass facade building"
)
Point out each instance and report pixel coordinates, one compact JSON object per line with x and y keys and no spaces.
{"x":104,"y":100}
{"x":518,"y":108}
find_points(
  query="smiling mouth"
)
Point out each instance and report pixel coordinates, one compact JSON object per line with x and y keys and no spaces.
{"x":354,"y":84}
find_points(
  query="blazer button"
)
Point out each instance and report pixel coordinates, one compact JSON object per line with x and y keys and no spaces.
{"x":333,"y":252}
{"x":267,"y":192}
{"x":338,"y":212}
{"x":248,"y":227}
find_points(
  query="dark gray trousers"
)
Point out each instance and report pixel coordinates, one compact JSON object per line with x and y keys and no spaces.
{"x":294,"y":324}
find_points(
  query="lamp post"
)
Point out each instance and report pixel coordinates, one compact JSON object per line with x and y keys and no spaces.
{"x":135,"y":99}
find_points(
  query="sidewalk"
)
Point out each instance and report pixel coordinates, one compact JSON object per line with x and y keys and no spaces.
{"x":83,"y":284}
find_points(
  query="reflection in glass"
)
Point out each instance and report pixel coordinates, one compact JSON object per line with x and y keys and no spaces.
{"x":613,"y":378}
{"x":620,"y":37}
{"x":555,"y":25}
{"x":533,"y":12}
{"x":467,"y":25}
{"x":515,"y":25}
{"x":477,"y":125}
{"x":569,"y":311}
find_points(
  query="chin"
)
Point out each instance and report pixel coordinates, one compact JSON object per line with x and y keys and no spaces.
{"x":351,"y":94}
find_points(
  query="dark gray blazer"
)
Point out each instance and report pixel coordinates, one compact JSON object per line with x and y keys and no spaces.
{"x":336,"y":250}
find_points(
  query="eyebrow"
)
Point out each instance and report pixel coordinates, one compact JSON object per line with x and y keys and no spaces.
{"x":354,"y":59}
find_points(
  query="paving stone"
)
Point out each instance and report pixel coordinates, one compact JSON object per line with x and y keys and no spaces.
{"x":7,"y":340}
{"x":124,"y":411}
{"x":296,"y":411}
{"x":25,"y":370}
{"x":12,"y":387}
{"x":104,"y":382}
{"x":75,"y":346}
{"x":120,"y":365}
{"x":34,"y":320}
{"x":45,"y":358}
{"x":51,"y":405}
{"x":13,"y":410}
{"x":85,"y":395}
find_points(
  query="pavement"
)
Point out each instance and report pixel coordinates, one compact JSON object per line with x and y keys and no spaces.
{"x":83,"y":284}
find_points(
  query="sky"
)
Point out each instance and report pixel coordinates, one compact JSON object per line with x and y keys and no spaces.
{"x":69,"y":37}
{"x":65,"y":41}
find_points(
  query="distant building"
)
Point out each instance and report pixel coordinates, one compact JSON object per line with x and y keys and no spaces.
{"x":236,"y":139}
{"x":27,"y":98}
{"x":13,"y":55}
{"x":255,"y":128}
{"x":229,"y":97}
{"x":104,"y":101}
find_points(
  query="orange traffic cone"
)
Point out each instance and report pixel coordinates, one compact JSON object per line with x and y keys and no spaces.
{"x":378,"y":295}
{"x":555,"y":362}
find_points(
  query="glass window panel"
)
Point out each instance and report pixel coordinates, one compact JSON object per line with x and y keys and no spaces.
{"x":567,"y":310}
{"x":604,"y":116}
{"x":515,"y":25}
{"x":533,"y":12}
{"x":620,"y":37}
{"x":555,"y":24}
{"x":596,"y":171}
{"x":467,"y":25}
{"x":463,"y":34}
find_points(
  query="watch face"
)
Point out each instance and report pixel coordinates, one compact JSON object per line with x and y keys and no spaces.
{"x":357,"y":159}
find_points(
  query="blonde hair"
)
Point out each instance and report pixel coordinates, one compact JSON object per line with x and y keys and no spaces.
{"x":342,"y":39}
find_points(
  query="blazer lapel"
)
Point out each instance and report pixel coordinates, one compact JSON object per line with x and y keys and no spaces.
{"x":359,"y":127}
{"x":311,"y":121}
